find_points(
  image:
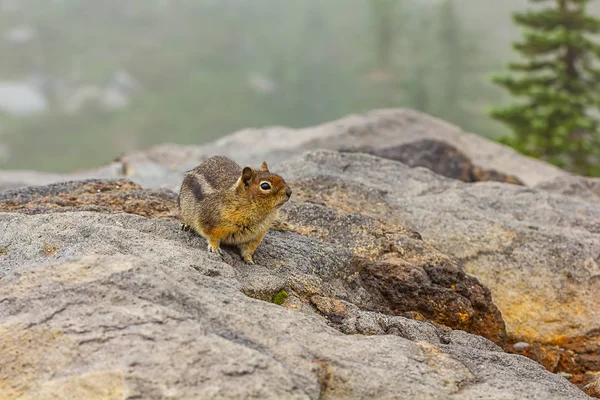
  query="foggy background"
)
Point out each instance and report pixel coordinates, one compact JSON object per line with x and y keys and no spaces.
{"x":84,"y":80}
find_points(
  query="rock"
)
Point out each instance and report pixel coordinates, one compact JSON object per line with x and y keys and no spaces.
{"x":440,"y":157}
{"x":134,"y":307}
{"x":554,"y":358}
{"x":536,"y":251}
{"x":481,"y":175}
{"x":163,"y":166}
{"x":392,"y":271}
{"x":351,"y":320}
{"x":335,"y":310}
{"x":521,"y":345}
{"x":411,"y":277}
{"x":381,"y":129}
{"x":377,"y":249}
{"x":476,"y":223}
{"x":91,"y":195}
{"x":542,"y":279}
{"x":499,"y":363}
{"x":593,"y":388}
{"x":118,"y":303}
{"x":565,"y":375}
{"x":585,"y":188}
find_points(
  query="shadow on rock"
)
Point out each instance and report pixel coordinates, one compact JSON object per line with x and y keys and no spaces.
{"x":440,"y":157}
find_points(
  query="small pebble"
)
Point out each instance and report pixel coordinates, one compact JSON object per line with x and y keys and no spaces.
{"x":565,"y":375}
{"x":521,"y":345}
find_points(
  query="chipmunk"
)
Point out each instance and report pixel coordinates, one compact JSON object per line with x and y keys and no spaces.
{"x":227,"y":204}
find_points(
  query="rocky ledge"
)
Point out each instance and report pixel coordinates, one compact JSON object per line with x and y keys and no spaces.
{"x":392,"y":282}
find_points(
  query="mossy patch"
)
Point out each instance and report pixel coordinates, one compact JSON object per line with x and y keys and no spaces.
{"x":280,"y":297}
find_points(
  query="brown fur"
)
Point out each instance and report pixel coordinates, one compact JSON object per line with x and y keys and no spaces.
{"x":225,"y":203}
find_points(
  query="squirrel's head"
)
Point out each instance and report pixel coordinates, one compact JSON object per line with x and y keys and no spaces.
{"x":269,"y":190}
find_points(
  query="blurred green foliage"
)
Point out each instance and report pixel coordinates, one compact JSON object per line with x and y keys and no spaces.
{"x":195,"y":61}
{"x":559,"y":82}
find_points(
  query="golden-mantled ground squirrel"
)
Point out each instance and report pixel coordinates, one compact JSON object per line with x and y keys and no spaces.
{"x":227,"y":204}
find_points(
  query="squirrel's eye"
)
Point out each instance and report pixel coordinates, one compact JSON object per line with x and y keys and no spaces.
{"x":265,"y":186}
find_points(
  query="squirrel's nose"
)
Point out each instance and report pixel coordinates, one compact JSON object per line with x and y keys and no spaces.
{"x":288,"y":191}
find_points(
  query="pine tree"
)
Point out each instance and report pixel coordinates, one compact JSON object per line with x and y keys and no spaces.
{"x":559,"y":82}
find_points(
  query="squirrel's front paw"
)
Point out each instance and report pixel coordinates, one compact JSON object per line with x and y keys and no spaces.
{"x":215,"y":249}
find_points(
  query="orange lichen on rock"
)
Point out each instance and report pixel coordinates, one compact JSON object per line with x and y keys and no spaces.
{"x":578,"y":356}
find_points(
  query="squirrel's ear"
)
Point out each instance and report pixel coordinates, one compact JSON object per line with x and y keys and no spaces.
{"x":264,"y":167}
{"x":247,"y":175}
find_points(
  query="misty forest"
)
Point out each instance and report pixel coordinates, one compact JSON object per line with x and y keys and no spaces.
{"x":82,"y":81}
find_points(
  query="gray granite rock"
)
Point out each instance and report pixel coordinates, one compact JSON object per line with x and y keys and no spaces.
{"x":538,"y":252}
{"x":120,"y":305}
{"x":577,"y":186}
{"x":129,"y":308}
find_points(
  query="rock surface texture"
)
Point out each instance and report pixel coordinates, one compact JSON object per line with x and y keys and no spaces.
{"x":593,"y":388}
{"x":124,"y":306}
{"x":439,"y":157}
{"x":118,"y":302}
{"x":579,"y":186}
{"x":91,"y":195}
{"x":393,"y":281}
